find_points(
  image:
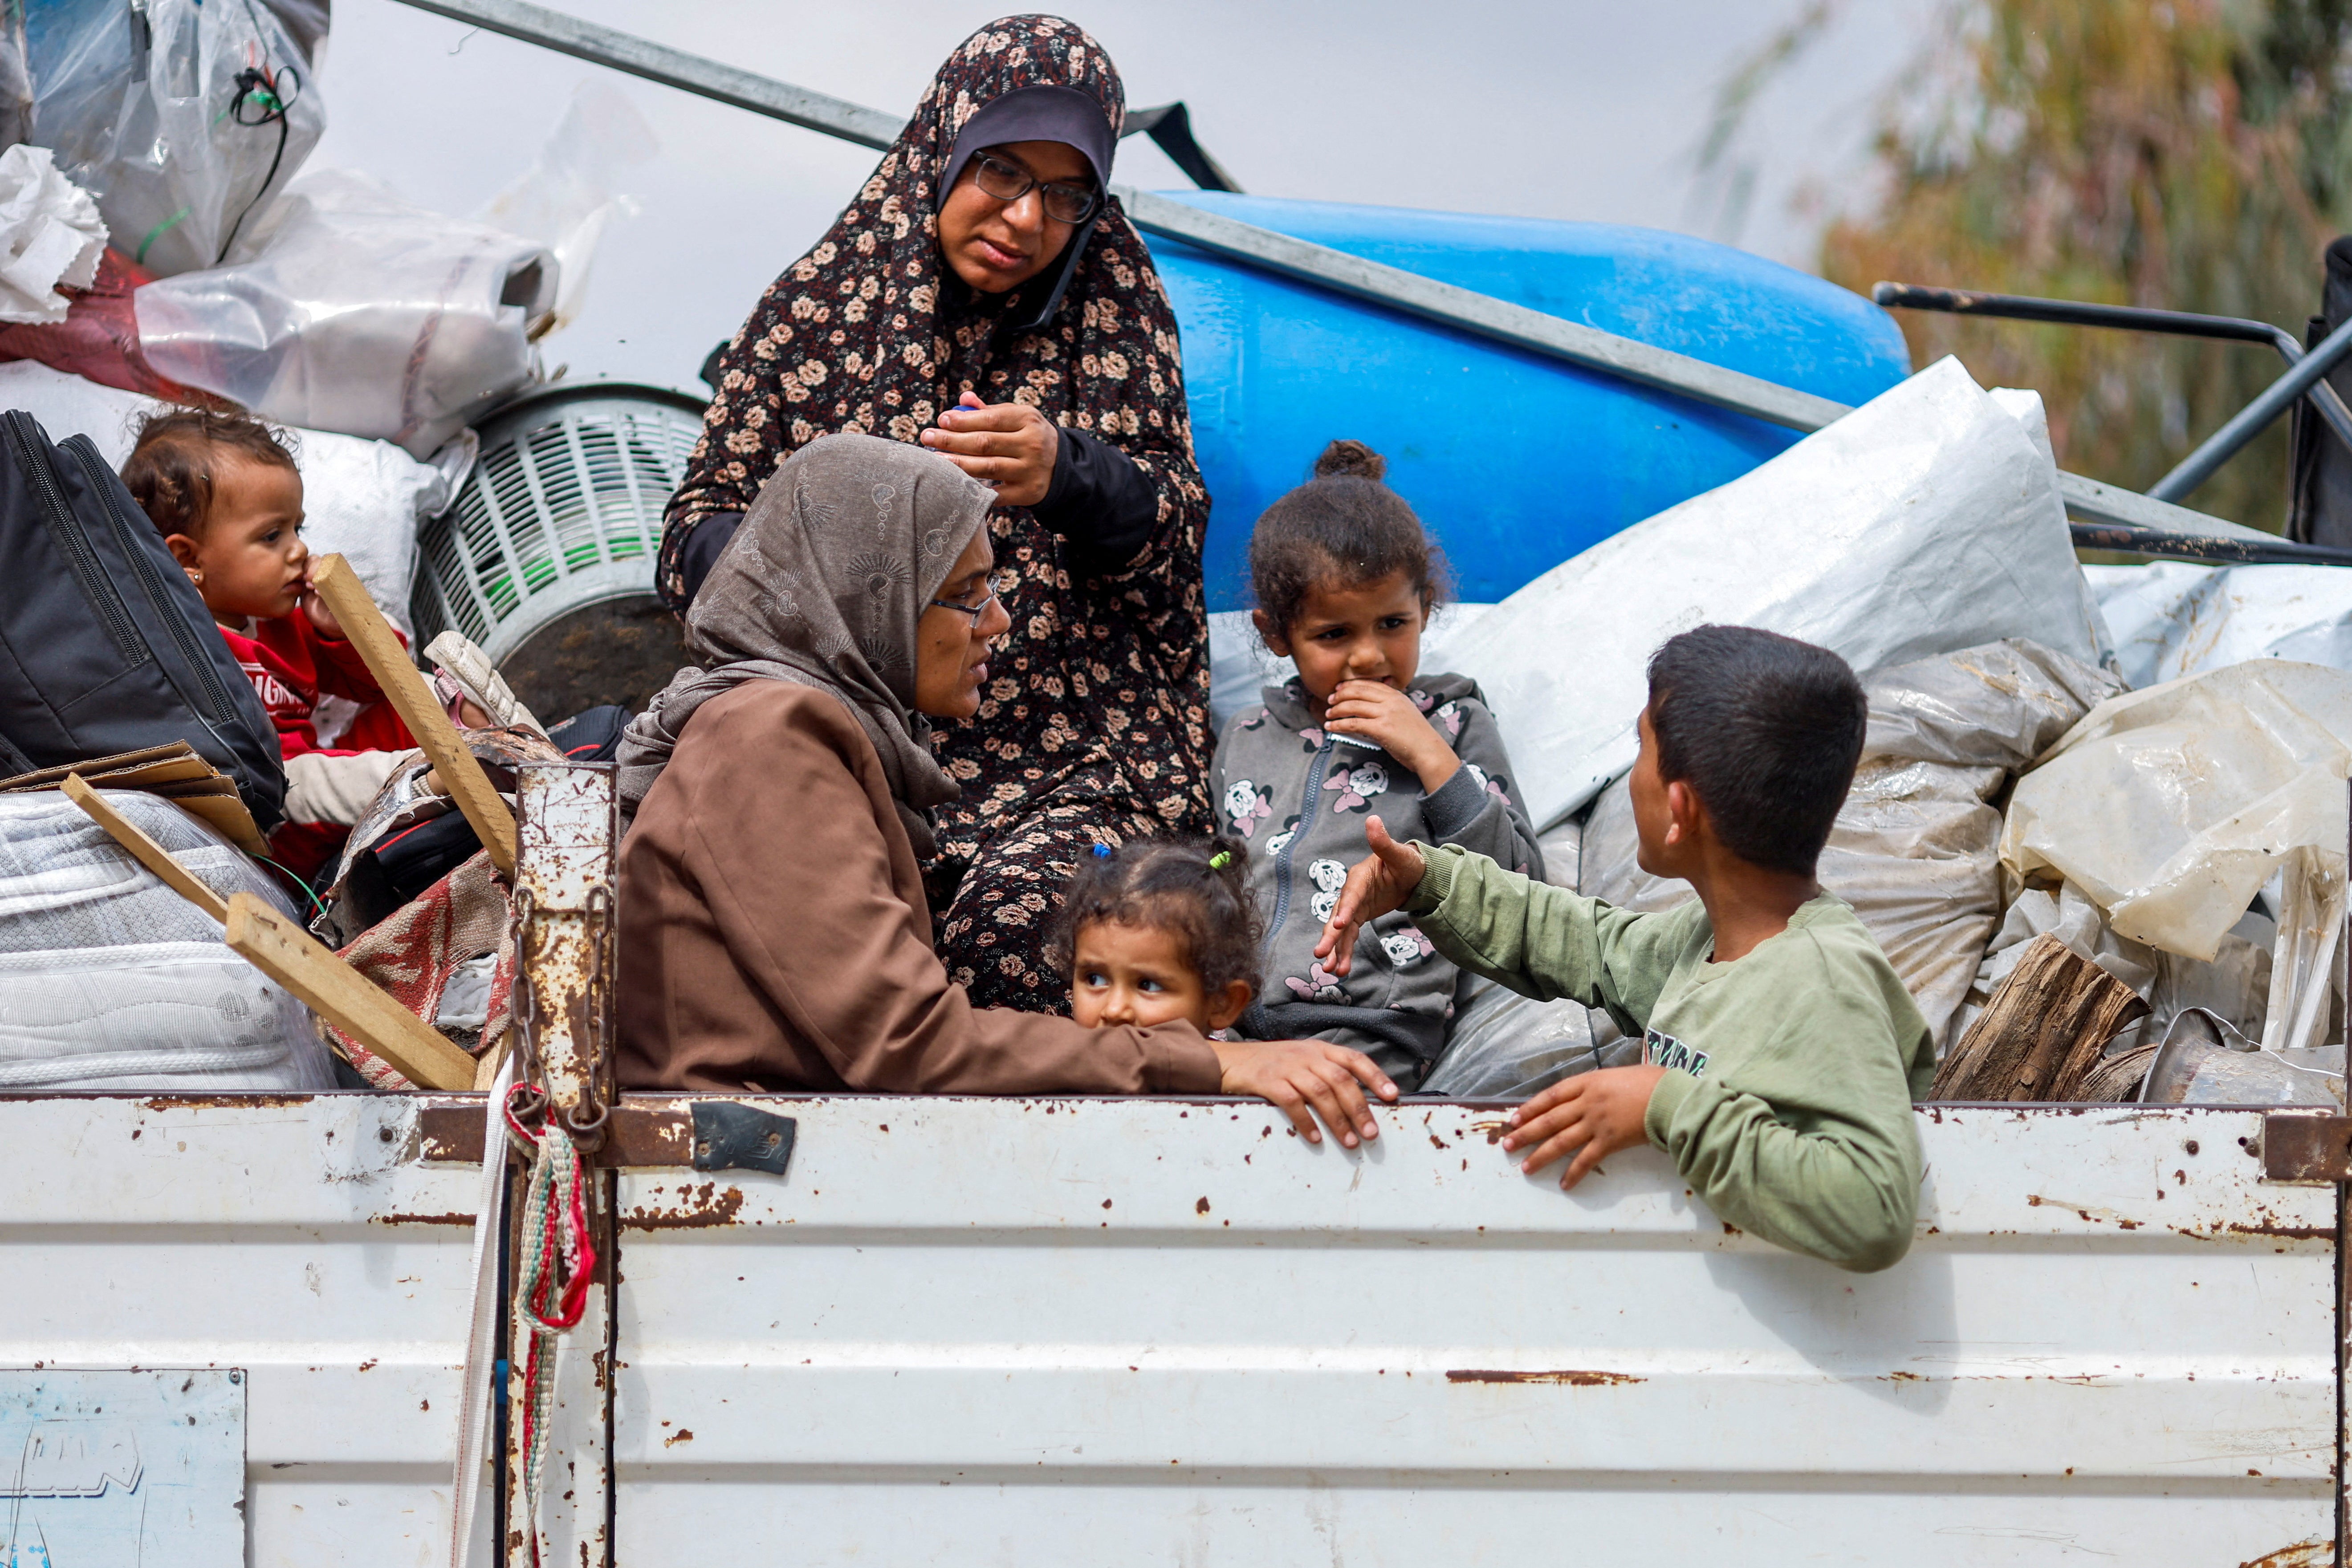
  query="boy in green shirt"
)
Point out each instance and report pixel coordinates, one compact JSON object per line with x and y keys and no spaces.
{"x":1780,"y":1054}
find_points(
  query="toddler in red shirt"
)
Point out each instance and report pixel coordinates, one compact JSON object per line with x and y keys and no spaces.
{"x":224,"y":490}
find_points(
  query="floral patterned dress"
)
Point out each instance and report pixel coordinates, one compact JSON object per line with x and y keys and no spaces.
{"x":1094,"y":727}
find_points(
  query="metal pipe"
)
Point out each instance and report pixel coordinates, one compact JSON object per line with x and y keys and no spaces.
{"x":2081,"y":313}
{"x":2269,"y":550}
{"x":1461,"y":308}
{"x":2251,"y":420}
{"x":2121,"y":318}
{"x":1467,"y":310}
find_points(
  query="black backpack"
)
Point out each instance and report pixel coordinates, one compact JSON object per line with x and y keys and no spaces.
{"x":104,"y":645}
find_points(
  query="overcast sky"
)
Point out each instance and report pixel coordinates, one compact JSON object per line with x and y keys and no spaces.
{"x":1590,"y":110}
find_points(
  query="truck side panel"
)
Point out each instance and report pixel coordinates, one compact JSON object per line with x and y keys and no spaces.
{"x":1033,"y":1331}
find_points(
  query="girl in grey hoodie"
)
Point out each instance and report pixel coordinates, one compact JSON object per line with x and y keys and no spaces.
{"x":1345,"y":579}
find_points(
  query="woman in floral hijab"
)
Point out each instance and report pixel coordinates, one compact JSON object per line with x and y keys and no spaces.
{"x":985,"y":297}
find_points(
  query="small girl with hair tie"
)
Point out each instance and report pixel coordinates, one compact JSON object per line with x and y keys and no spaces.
{"x":1159,"y":930}
{"x":1345,"y":579}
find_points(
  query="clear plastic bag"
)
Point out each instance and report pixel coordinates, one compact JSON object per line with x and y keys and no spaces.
{"x":184,"y":120}
{"x":2171,"y":807}
{"x":572,"y":189}
{"x":351,"y":309}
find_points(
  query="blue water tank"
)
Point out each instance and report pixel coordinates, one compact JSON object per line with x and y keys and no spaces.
{"x":1515,"y":461}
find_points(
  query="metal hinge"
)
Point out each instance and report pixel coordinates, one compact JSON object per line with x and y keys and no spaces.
{"x":707,"y":1135}
{"x":2307,"y":1147}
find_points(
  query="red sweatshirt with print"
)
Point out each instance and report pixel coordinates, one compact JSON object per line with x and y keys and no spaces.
{"x":292,"y":666}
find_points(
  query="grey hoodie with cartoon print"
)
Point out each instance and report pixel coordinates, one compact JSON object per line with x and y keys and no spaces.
{"x":1297,"y":795}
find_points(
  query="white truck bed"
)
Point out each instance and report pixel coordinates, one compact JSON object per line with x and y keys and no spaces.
{"x":1034,"y":1331}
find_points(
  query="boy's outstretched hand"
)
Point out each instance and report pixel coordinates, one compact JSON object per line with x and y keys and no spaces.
{"x":1297,"y":1074}
{"x":1375,"y":886}
{"x":1592,"y":1115}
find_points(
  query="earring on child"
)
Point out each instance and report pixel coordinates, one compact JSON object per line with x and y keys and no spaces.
{"x":195,"y":576}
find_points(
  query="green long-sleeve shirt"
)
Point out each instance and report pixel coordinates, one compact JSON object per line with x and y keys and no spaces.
{"x":1788,"y":1106}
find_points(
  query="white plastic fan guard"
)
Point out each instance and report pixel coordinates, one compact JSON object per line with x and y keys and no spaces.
{"x":562,"y":510}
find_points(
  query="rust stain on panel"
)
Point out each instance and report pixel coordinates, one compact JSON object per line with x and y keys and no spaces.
{"x":702,"y":1207}
{"x":465,"y":1219}
{"x":222,"y":1101}
{"x":1574,"y":1379}
{"x":2302,"y":1555}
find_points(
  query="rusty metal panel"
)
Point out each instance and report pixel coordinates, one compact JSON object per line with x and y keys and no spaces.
{"x":567,"y":826}
{"x":294,"y":1238}
{"x":1036,"y":1331}
{"x":2307,"y":1147}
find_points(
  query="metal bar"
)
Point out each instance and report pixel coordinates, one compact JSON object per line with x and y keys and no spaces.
{"x":2082,"y":313}
{"x":2213,"y":549}
{"x":2251,"y":420}
{"x":1468,"y":311}
{"x":696,"y":74}
{"x":564,"y":896}
{"x":645,"y":1131}
{"x":566,"y":839}
{"x":1461,"y":308}
{"x":2307,"y":1147}
{"x":2123,"y":317}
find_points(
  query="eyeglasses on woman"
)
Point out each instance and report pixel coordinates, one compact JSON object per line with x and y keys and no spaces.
{"x":1067,"y":201}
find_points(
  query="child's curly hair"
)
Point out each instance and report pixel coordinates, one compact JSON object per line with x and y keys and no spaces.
{"x":1198,"y":888}
{"x":1344,"y":526}
{"x":170,"y":470}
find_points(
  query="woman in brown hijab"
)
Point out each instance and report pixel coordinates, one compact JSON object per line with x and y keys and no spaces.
{"x":983,"y":295}
{"x":775,"y":930}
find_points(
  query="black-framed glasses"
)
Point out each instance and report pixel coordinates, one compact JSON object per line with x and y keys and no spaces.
{"x":998,"y":587}
{"x":1067,"y":201}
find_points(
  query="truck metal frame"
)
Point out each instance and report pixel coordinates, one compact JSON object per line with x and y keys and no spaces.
{"x":957,"y":1330}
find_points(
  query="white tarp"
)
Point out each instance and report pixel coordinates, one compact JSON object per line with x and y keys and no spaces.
{"x":2170,"y":619}
{"x":1926,"y":521}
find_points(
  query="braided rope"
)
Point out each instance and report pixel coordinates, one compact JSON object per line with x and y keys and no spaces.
{"x":557,"y":1263}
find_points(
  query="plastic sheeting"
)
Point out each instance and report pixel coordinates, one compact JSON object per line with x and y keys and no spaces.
{"x":1927,"y":520}
{"x":2172,"y":806}
{"x":156,"y":111}
{"x":1915,"y":847}
{"x":2169,"y":618}
{"x":572,"y":191}
{"x":362,"y":499}
{"x":110,"y":981}
{"x":351,"y":309}
{"x":50,"y":234}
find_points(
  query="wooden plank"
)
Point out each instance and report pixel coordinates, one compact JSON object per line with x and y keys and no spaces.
{"x":145,"y":850}
{"x":2041,"y":1036}
{"x":345,"y":997}
{"x":404,"y":684}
